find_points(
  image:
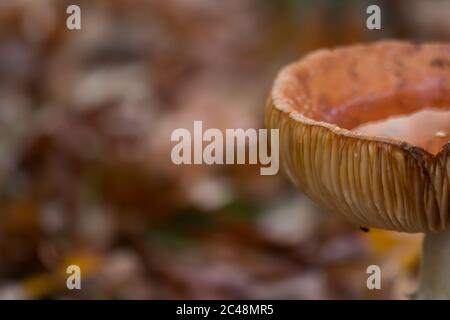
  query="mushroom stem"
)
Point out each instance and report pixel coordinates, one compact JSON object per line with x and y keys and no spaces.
{"x":435,"y":267}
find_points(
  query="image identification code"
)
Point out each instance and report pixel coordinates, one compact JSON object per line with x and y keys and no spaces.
{"x":231,"y":309}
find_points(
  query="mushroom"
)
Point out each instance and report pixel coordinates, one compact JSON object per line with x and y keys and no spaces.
{"x":364,"y":132}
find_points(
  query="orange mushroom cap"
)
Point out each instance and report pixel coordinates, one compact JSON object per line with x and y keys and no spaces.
{"x":326,"y":105}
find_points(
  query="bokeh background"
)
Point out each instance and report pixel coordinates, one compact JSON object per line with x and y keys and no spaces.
{"x":85,"y":171}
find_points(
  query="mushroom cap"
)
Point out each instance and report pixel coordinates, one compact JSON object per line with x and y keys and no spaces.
{"x":374,"y":181}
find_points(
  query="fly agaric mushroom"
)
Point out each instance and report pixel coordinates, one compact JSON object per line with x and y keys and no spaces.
{"x":364,"y":131}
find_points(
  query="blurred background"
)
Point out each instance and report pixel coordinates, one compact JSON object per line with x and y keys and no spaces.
{"x":85,"y":171}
